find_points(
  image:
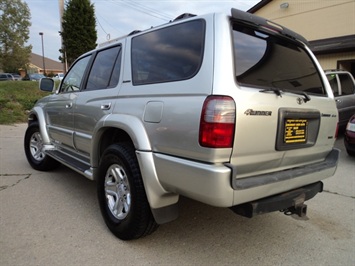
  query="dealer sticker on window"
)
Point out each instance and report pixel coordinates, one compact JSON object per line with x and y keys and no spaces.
{"x":295,"y":131}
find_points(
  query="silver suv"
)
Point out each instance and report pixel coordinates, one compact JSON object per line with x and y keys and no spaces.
{"x":232,"y":111}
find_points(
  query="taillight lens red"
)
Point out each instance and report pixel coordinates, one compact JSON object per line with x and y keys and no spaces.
{"x":217,"y":123}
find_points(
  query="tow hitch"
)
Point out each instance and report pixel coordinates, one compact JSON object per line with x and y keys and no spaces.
{"x":300,"y":210}
{"x":290,"y":202}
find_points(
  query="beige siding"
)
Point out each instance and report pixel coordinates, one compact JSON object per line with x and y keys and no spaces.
{"x":329,"y":61}
{"x":317,"y":20}
{"x":314,"y":19}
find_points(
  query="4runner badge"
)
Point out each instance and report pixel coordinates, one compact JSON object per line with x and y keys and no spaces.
{"x":252,"y":112}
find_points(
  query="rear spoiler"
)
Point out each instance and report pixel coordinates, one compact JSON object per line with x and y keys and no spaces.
{"x":238,"y":15}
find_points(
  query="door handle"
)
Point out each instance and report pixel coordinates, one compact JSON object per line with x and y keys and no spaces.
{"x":106,"y":106}
{"x":69,"y":105}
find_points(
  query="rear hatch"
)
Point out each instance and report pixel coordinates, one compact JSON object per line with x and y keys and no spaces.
{"x":286,"y":116}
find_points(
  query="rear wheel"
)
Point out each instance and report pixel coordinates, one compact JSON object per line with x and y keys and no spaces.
{"x":122,"y":198}
{"x":34,"y":150}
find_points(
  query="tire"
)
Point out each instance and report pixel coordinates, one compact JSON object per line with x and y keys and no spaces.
{"x":122,"y":198}
{"x":33,"y":145}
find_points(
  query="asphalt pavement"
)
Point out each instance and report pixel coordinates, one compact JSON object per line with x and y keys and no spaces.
{"x":53,"y":218}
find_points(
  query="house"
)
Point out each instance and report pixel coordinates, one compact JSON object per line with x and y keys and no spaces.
{"x":36,"y":65}
{"x":329,"y":26}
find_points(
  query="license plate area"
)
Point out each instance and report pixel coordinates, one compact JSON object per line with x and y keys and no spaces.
{"x":297,"y":128}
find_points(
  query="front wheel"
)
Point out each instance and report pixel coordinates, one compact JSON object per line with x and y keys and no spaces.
{"x":122,"y":198}
{"x":34,"y":150}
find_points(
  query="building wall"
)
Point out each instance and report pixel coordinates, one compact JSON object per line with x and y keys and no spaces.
{"x":317,"y":20}
{"x":314,"y":19}
{"x":337,"y":60}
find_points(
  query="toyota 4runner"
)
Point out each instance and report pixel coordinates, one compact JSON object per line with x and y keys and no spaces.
{"x":232,"y":111}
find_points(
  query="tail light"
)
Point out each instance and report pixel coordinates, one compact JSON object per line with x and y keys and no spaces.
{"x":217,"y":123}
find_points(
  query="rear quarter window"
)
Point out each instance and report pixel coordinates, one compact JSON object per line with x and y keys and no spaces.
{"x":169,"y":54}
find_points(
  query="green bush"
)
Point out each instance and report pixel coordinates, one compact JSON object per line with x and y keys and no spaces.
{"x":16,"y":99}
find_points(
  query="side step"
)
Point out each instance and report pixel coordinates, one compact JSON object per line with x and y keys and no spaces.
{"x":289,"y":202}
{"x":80,"y":166}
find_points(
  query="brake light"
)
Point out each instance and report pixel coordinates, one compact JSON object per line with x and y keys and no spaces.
{"x":217,"y":123}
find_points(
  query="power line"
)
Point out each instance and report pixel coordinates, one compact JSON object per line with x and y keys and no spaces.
{"x":143,"y":9}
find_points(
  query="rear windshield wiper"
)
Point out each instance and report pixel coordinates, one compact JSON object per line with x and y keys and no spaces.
{"x":279,"y":92}
{"x":306,"y":96}
{"x":276,"y":90}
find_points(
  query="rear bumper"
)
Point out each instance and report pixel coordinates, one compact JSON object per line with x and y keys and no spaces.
{"x":282,"y":201}
{"x":216,"y":185}
{"x":260,"y":180}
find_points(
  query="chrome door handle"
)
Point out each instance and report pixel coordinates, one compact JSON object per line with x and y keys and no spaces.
{"x":69,"y":105}
{"x":106,"y":106}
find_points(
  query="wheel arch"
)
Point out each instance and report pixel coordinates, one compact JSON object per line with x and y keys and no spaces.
{"x":124,"y":128}
{"x":37,"y":115}
{"x":116,"y":128}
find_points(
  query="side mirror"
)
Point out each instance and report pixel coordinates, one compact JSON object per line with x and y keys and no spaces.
{"x":46,"y":84}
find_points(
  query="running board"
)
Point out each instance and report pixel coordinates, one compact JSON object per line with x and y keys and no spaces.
{"x":77,"y":165}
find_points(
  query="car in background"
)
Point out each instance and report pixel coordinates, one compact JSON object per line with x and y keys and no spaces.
{"x":58,"y":76}
{"x":16,"y":76}
{"x":34,"y":77}
{"x":6,"y":76}
{"x":349,"y":136}
{"x":343,"y":86}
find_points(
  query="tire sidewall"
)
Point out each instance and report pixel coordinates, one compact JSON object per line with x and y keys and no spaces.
{"x":31,"y":130}
{"x":117,"y":154}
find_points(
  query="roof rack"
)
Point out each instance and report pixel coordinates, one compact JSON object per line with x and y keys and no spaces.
{"x":185,"y":15}
{"x":134,"y":32}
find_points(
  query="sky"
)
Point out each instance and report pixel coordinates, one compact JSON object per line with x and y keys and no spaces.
{"x":115,"y":18}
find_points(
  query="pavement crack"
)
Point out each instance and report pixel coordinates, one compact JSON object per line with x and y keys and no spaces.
{"x":12,"y":184}
{"x":336,"y":193}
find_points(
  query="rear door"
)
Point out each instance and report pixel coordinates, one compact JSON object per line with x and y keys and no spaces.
{"x":98,"y":96}
{"x":284,"y":115}
{"x":346,"y":99}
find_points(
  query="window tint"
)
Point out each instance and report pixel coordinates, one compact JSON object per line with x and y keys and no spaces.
{"x":105,"y":70}
{"x":75,"y":75}
{"x":347,"y":85}
{"x":265,"y":61}
{"x":169,"y":54}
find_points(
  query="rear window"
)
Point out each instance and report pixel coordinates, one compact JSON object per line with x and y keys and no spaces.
{"x":169,"y":54}
{"x":267,"y":61}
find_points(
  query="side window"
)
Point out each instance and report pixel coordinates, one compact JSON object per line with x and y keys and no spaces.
{"x":169,"y":54}
{"x":347,"y":85}
{"x":332,"y":78}
{"x":75,"y":76}
{"x":105,"y":70}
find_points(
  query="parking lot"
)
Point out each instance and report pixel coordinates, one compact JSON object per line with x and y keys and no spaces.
{"x":53,"y":218}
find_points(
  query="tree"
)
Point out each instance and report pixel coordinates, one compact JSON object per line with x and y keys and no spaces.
{"x":14,"y":32}
{"x":78,"y":29}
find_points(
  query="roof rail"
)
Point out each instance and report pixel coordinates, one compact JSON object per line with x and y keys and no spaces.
{"x":134,"y":32}
{"x":185,"y":15}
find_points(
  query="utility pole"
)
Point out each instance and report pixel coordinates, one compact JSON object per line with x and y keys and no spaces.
{"x":44,"y":66}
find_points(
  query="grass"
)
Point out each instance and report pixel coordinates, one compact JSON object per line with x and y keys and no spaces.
{"x":16,"y":99}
